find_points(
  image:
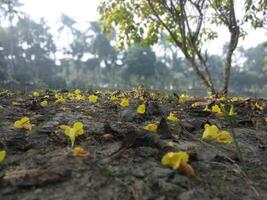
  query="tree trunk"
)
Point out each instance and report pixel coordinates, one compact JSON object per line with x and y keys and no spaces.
{"x":235,"y":33}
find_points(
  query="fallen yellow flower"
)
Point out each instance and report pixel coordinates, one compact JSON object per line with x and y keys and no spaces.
{"x":114,"y":98}
{"x":172,"y":117}
{"x":141,"y":109}
{"x":222,"y":99}
{"x":2,"y":155}
{"x":77,"y":91}
{"x":224,"y":137}
{"x":79,"y":97}
{"x":183,"y":98}
{"x":92,"y":98}
{"x":151,"y":127}
{"x":258,"y":106}
{"x":216,"y":109}
{"x":173,"y":159}
{"x":234,"y":99}
{"x":44,"y":103}
{"x":124,"y":102}
{"x":36,"y":94}
{"x":211,"y":132}
{"x":59,"y":99}
{"x":23,"y":123}
{"x":73,"y":132}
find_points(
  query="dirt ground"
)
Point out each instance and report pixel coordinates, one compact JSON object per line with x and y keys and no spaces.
{"x":127,"y":164}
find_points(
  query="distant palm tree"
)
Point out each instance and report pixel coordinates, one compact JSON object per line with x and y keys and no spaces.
{"x":67,"y":24}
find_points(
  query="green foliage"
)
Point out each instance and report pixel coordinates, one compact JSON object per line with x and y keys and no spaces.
{"x":185,"y":23}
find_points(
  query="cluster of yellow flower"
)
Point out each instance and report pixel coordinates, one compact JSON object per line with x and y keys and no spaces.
{"x":212,"y":132}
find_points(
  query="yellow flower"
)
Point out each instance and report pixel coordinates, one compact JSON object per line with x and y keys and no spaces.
{"x":73,"y":132}
{"x":172,"y":117}
{"x":222,"y":99}
{"x":141,"y":109}
{"x":216,"y":109}
{"x":224,"y":137}
{"x":173,"y":159}
{"x":44,"y":103}
{"x":79,"y":97}
{"x":258,"y":106}
{"x":59,"y":99}
{"x":206,"y":109}
{"x":77,"y":91}
{"x":234,"y":99}
{"x":23,"y":123}
{"x":2,"y":155}
{"x":151,"y":127}
{"x":124,"y":102}
{"x":36,"y":94}
{"x":114,"y":98}
{"x":92,"y":98}
{"x":211,"y":132}
{"x":231,"y":112}
{"x":183,"y":98}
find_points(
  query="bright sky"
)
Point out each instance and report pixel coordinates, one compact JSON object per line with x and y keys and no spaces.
{"x":84,"y":11}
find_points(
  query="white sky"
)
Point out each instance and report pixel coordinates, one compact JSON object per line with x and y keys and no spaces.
{"x":84,"y":11}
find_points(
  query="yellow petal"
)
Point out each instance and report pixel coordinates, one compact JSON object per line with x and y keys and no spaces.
{"x":114,"y":98}
{"x":19,"y":123}
{"x":234,"y":99}
{"x":151,"y":127}
{"x":258,"y":106}
{"x":173,"y":159}
{"x":222,"y":99}
{"x":224,"y":137}
{"x":36,"y":94}
{"x":183,"y":98}
{"x":78,"y":128}
{"x":25,"y":120}
{"x":77,"y":91}
{"x":27,"y":126}
{"x":141,"y":109}
{"x":172,"y":117}
{"x":66,"y":129}
{"x":216,"y":109}
{"x":210,"y":132}
{"x":2,"y":155}
{"x":92,"y":98}
{"x":79,"y":97}
{"x":124,"y":102}
{"x":44,"y":103}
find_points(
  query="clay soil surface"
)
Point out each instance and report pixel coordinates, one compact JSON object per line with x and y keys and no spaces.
{"x":124,"y":160}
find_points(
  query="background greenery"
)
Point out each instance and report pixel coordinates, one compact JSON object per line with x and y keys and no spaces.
{"x":28,"y":60}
